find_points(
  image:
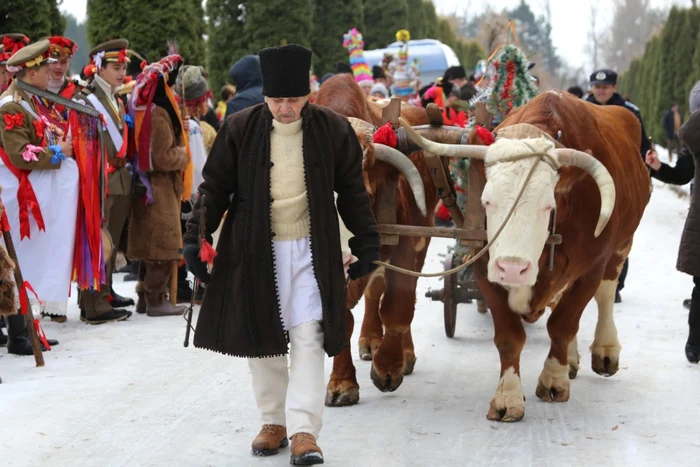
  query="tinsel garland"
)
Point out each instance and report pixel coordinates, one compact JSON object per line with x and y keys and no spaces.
{"x":510,"y":88}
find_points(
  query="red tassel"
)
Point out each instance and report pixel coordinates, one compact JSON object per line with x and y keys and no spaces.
{"x":485,"y":135}
{"x":385,"y":135}
{"x":41,"y":334}
{"x":207,"y":253}
{"x":443,"y":213}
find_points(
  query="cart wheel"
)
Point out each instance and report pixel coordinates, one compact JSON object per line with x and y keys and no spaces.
{"x":449,"y":299}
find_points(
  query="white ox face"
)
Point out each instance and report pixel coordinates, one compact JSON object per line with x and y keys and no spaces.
{"x":514,"y":256}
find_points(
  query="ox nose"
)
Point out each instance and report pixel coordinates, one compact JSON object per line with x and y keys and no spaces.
{"x":512,"y":272}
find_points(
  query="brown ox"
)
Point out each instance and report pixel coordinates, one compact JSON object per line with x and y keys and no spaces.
{"x":598,"y":210}
{"x":389,"y":297}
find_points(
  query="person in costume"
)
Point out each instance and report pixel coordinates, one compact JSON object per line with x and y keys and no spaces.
{"x":9,"y":44}
{"x":41,"y":184}
{"x":201,"y":137}
{"x":405,"y":74}
{"x":110,"y":61}
{"x":165,"y":177}
{"x":353,"y":41}
{"x":278,"y":277}
{"x":62,"y":49}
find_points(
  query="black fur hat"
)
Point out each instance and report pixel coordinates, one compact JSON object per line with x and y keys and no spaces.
{"x":285,"y":71}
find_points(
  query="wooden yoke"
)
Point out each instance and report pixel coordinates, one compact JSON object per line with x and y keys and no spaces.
{"x":475,"y":215}
{"x":439,"y":172}
{"x":386,"y":195}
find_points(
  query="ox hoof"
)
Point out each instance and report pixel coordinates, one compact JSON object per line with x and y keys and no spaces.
{"x":552,"y":394}
{"x":409,"y":365}
{"x":604,"y":366}
{"x":514,"y":413}
{"x":341,"y":393}
{"x":385,"y":383}
{"x":367,"y":346}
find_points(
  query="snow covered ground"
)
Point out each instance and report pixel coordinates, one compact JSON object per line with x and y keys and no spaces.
{"x":129,"y":394}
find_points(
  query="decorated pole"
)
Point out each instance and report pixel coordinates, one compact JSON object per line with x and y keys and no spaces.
{"x":26,"y":310}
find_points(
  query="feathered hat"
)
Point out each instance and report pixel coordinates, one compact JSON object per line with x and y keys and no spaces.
{"x":355,"y":45}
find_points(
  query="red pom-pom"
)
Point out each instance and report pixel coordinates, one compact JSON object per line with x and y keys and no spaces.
{"x":485,"y":135}
{"x":443,"y":213}
{"x":207,"y":253}
{"x":385,"y":135}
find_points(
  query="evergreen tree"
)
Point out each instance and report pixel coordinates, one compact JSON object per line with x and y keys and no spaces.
{"x":383,"y":18}
{"x":105,"y":22}
{"x":535,"y":35}
{"x":695,"y":73}
{"x":470,"y":53}
{"x":58,"y":21}
{"x":332,"y":19}
{"x":151,"y":26}
{"x":430,"y":20}
{"x":278,"y":22}
{"x":28,"y":17}
{"x":665,"y":68}
{"x":226,"y":42}
{"x":684,"y":79}
{"x":417,"y":23}
{"x":77,"y":32}
{"x":446,"y":34}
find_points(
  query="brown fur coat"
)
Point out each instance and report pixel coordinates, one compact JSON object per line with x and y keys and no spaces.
{"x":154,"y":229}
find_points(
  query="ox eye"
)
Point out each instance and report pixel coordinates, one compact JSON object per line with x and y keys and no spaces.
{"x":486,"y":203}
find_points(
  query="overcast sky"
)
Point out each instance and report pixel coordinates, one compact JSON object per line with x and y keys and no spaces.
{"x":570,"y":18}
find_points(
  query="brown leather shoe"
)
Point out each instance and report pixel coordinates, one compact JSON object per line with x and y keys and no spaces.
{"x":269,"y":441}
{"x":305,"y":451}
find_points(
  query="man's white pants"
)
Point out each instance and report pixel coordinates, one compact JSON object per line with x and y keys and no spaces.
{"x":293,"y":396}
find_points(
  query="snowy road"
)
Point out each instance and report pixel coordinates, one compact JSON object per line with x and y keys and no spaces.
{"x":129,"y":394}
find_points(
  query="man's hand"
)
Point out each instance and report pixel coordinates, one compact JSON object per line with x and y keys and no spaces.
{"x":195,"y":264}
{"x":652,"y":160}
{"x":364,"y":265}
{"x":67,"y":147}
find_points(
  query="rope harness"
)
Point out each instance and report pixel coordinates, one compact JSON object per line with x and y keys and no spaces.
{"x":541,"y":157}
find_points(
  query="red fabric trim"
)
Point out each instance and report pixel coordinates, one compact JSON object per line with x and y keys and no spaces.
{"x":485,"y":135}
{"x":26,"y":198}
{"x":12,"y":121}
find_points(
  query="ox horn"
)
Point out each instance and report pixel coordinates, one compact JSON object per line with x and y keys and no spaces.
{"x":602,"y":177}
{"x":462,"y":151}
{"x":404,"y":165}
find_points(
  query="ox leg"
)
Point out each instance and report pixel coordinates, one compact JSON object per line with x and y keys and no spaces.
{"x":605,"y":350}
{"x":554,"y":383}
{"x":508,"y":404}
{"x":396,"y":313}
{"x":409,"y":354}
{"x":371,"y":333}
{"x":574,"y":358}
{"x":343,"y":389}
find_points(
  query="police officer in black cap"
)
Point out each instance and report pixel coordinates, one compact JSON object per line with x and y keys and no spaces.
{"x":604,"y":92}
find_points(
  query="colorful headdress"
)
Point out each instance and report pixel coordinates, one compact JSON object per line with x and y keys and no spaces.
{"x":355,"y":45}
{"x":61,"y":47}
{"x":141,"y":106}
{"x":12,"y":43}
{"x":405,"y":75}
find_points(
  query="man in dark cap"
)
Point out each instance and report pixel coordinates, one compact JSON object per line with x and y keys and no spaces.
{"x":278,"y":276}
{"x":604,"y":92}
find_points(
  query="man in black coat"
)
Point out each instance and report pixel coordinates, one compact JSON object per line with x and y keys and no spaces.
{"x":278,"y":276}
{"x":604,"y":92}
